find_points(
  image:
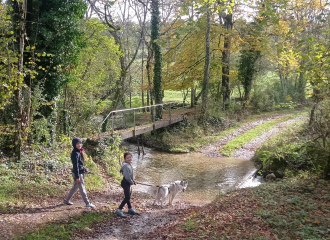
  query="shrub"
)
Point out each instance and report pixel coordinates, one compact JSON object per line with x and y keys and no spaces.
{"x":263,"y":101}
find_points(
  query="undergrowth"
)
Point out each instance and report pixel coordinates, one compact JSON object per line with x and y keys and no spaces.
{"x":45,"y":173}
{"x":293,"y":153}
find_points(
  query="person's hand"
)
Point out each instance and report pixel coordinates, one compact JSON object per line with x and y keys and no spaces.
{"x":78,"y":180}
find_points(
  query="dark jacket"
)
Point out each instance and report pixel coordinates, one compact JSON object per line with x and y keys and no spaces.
{"x":77,"y":160}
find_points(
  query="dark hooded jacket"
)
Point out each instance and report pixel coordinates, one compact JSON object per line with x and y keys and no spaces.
{"x":76,"y":159}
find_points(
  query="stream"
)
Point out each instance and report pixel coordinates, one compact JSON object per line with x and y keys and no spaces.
{"x":206,"y":176}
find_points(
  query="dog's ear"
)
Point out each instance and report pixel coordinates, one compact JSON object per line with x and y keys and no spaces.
{"x":181,"y":183}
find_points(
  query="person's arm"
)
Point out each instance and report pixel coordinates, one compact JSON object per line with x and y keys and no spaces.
{"x":75,"y":163}
{"x":127,"y":174}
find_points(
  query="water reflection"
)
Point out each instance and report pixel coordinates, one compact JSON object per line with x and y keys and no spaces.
{"x":206,"y":176}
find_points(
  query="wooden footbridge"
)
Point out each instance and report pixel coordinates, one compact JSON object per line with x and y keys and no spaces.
{"x":132,"y":122}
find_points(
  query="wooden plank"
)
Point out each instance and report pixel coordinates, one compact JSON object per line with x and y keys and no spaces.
{"x":149,"y":128}
{"x":128,"y":133}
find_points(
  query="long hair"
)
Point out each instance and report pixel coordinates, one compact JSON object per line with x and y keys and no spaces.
{"x":82,"y":152}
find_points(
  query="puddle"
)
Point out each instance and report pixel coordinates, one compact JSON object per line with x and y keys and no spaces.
{"x":207,"y":176}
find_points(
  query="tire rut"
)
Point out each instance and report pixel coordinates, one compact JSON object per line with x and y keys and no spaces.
{"x":248,"y":150}
{"x":213,"y":150}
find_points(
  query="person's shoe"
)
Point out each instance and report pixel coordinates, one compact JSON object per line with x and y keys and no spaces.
{"x":120,"y":214}
{"x":90,"y":206}
{"x":65,"y":202}
{"x":132,"y":212}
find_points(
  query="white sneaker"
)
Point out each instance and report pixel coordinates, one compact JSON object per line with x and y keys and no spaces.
{"x":90,"y":205}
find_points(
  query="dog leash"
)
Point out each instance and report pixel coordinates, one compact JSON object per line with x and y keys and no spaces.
{"x":147,"y":184}
{"x":121,"y":179}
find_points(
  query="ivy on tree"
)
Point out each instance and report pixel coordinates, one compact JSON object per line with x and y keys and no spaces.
{"x":155,"y":38}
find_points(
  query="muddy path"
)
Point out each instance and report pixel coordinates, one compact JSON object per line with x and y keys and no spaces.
{"x":51,"y":210}
{"x":139,"y":226}
{"x":213,"y":150}
{"x":38,"y":215}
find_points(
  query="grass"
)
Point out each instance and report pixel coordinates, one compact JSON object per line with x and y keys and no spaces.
{"x":290,"y":209}
{"x":191,"y":138}
{"x":248,"y":136}
{"x":65,"y":230}
{"x":14,"y":195}
{"x":169,"y":96}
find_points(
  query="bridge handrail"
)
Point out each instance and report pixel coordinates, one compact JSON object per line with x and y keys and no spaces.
{"x":130,"y":109}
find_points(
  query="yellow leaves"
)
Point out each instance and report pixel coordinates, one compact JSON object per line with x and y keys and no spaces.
{"x":48,"y":103}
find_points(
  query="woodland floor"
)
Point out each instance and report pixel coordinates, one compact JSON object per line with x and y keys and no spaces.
{"x":239,"y":215}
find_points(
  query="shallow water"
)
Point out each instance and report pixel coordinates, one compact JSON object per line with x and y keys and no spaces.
{"x":206,"y":176}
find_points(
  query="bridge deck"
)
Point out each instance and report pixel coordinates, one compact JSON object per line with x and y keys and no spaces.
{"x":137,"y":130}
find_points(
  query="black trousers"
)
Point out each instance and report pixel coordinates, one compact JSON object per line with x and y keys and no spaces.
{"x":127,"y":192}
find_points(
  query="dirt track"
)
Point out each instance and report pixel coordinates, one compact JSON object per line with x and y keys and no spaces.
{"x":214,"y":149}
{"x":137,"y":227}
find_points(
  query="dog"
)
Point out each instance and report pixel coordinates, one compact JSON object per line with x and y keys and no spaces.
{"x":170,"y":190}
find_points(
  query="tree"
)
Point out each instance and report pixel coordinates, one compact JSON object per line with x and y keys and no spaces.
{"x":117,"y":20}
{"x":47,"y":37}
{"x":206,"y":79}
{"x":228,"y":25}
{"x":155,"y":38}
{"x":250,"y":45}
{"x":95,"y":84}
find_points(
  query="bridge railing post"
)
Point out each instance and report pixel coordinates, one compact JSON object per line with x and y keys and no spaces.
{"x":134,"y":121}
{"x":112,"y":124}
{"x":170,"y":114}
{"x":153,"y":114}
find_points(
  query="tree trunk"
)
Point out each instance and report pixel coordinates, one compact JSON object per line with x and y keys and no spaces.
{"x":192,"y":97}
{"x":148,"y":99}
{"x":148,"y":67}
{"x":283,"y":79}
{"x":228,"y":24}
{"x":130,"y":91}
{"x":206,"y":79}
{"x":155,"y":36}
{"x":18,"y":92}
{"x":312,"y":117}
{"x":301,"y":87}
{"x":142,"y":92}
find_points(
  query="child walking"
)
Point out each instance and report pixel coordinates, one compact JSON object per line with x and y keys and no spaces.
{"x":78,"y":171}
{"x":126,"y":183}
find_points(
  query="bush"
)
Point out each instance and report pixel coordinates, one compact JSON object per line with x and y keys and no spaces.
{"x":263,"y":101}
{"x":293,"y":158}
{"x":291,"y":153}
